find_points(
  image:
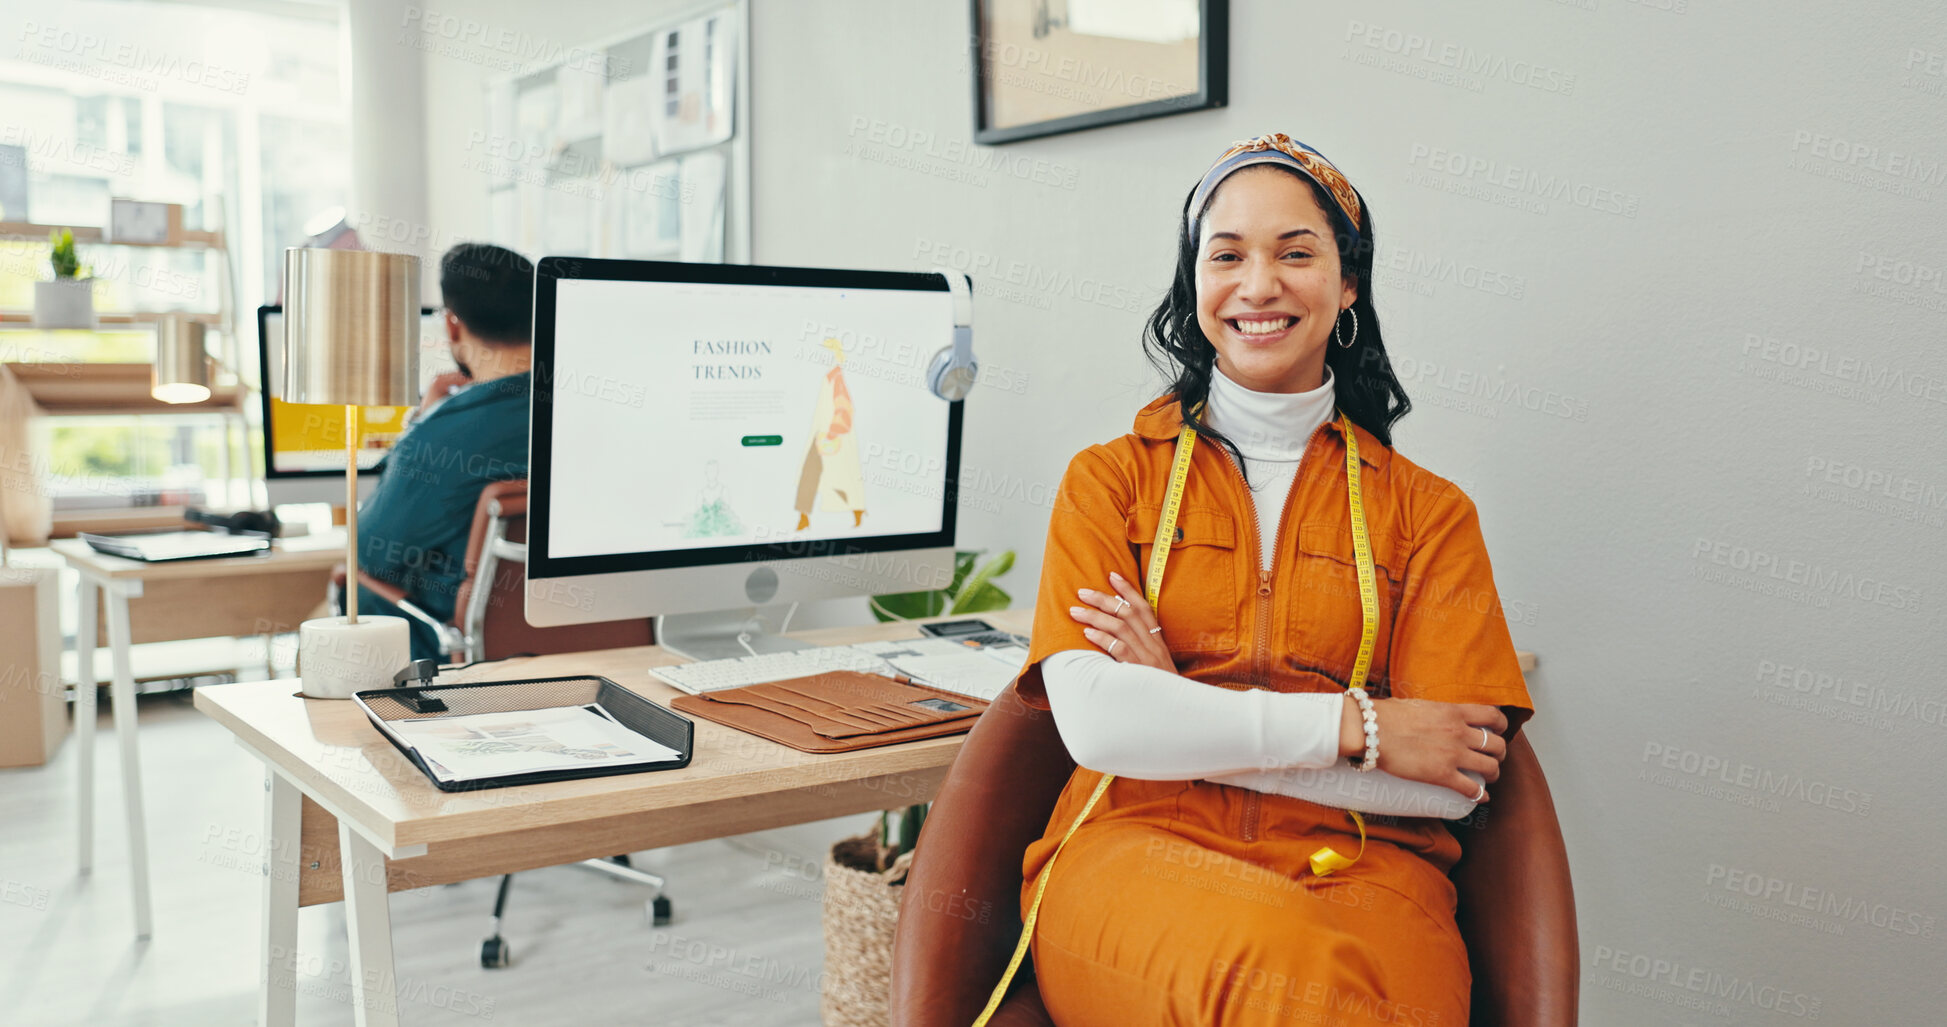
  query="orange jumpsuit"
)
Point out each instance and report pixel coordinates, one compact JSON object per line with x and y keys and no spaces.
{"x":1190,"y":902}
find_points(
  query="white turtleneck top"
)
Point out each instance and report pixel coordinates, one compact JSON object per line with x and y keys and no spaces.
{"x":1142,"y":722}
{"x":1271,"y":430}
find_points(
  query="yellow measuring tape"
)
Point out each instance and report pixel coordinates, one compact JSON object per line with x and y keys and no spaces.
{"x":1325,"y":860}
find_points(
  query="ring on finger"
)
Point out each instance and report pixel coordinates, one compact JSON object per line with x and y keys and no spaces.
{"x":1113,"y":642}
{"x":1155,"y":629}
{"x":1483,"y":739}
{"x":1121,"y":603}
{"x":1482,"y":794}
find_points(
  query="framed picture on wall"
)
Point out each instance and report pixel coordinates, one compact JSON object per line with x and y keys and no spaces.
{"x":1042,"y":67}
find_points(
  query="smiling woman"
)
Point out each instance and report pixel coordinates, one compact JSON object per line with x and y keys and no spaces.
{"x":1192,"y":841}
{"x":1276,"y":241}
{"x":1267,"y":301}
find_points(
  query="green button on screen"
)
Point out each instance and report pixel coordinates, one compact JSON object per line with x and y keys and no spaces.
{"x":763,"y":440}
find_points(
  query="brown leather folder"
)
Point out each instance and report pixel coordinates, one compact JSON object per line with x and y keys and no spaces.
{"x":836,"y":712}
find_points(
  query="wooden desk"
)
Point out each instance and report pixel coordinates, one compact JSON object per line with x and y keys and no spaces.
{"x":347,"y":816}
{"x":122,"y":602}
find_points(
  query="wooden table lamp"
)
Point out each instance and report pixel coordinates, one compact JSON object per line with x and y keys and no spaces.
{"x":351,"y":339}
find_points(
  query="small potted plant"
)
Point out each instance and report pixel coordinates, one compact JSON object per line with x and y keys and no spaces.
{"x":69,"y":300}
{"x":972,"y":590}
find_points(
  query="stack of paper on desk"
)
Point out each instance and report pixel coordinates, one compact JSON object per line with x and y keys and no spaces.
{"x":983,"y":672}
{"x":487,"y":745}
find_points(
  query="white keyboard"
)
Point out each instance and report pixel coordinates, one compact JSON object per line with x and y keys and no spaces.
{"x":712,"y":675}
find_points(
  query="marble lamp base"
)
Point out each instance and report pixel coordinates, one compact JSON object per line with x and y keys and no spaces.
{"x":337,"y":658}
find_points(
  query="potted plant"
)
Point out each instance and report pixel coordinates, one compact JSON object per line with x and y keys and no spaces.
{"x":865,"y":876}
{"x":69,"y":300}
{"x":972,"y":590}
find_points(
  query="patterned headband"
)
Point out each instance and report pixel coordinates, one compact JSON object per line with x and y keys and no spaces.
{"x":1278,"y":148}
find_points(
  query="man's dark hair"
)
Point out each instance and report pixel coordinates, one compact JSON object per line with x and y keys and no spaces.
{"x":491,"y":290}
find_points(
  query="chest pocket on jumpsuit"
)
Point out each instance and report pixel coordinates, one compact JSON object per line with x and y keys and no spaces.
{"x":1323,"y":629}
{"x":1198,"y":604}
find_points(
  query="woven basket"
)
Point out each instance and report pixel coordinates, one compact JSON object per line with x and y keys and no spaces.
{"x":861,"y":912}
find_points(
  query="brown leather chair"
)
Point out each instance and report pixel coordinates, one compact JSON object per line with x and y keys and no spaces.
{"x":961,"y":914}
{"x":490,"y":624}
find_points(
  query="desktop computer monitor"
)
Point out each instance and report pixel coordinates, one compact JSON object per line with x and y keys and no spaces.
{"x":304,"y":444}
{"x":708,"y":439}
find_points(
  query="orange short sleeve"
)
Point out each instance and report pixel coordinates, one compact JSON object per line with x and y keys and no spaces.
{"x":1086,"y":540}
{"x":1450,"y":639}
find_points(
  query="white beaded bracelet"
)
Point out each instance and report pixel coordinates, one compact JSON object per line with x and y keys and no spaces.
{"x":1371,"y":719}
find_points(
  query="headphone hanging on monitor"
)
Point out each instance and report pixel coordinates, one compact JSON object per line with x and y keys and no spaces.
{"x":954,"y":369}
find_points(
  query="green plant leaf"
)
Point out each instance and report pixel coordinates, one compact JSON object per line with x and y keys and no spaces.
{"x":910,"y":821}
{"x":975,"y":587}
{"x":963,"y":563}
{"x":61,"y":257}
{"x":908,"y":605}
{"x":1001,"y":564}
{"x":988,"y":597}
{"x":975,"y":584}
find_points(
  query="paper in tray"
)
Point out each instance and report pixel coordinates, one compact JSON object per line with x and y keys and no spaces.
{"x":388,"y":706}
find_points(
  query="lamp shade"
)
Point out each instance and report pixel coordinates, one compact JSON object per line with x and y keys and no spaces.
{"x":351,"y":328}
{"x":181,"y":372}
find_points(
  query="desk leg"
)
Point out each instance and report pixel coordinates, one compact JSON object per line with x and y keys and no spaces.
{"x":277,"y":971}
{"x":87,"y":594}
{"x":368,"y":920}
{"x":123,"y":696}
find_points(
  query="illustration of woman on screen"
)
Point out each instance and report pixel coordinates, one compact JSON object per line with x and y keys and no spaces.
{"x":712,"y":517}
{"x":831,"y":462}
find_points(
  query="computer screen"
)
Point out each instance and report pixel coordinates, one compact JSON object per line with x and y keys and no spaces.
{"x":306,"y":440}
{"x":691,"y":415}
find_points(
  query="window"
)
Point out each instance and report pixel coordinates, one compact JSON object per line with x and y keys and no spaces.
{"x":236,"y":115}
{"x":303,"y":173}
{"x":117,"y":462}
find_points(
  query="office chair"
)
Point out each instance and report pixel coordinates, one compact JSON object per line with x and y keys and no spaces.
{"x":1516,"y":904}
{"x":488,"y":624}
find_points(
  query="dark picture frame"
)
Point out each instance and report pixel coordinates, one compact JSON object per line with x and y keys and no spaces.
{"x":1053,"y":71}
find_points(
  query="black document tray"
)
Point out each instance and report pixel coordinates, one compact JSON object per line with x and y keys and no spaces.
{"x":632,"y":711}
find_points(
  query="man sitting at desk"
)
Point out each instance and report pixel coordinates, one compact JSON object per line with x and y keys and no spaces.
{"x":472,"y":430}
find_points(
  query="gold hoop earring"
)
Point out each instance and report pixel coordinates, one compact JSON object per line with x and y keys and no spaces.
{"x":1345,"y":343}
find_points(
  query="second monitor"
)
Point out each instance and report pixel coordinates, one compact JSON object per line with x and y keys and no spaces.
{"x":722,"y":437}
{"x":304,"y":444}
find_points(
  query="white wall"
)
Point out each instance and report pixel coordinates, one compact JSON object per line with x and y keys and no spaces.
{"x":1695,"y":443}
{"x":389,"y":173}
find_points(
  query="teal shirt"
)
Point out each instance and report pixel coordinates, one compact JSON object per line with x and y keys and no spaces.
{"x":413,"y":530}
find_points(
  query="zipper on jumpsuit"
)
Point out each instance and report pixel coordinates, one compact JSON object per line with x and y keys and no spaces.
{"x":1260,"y":633}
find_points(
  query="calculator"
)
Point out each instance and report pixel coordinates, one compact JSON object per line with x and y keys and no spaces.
{"x":972,"y":632}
